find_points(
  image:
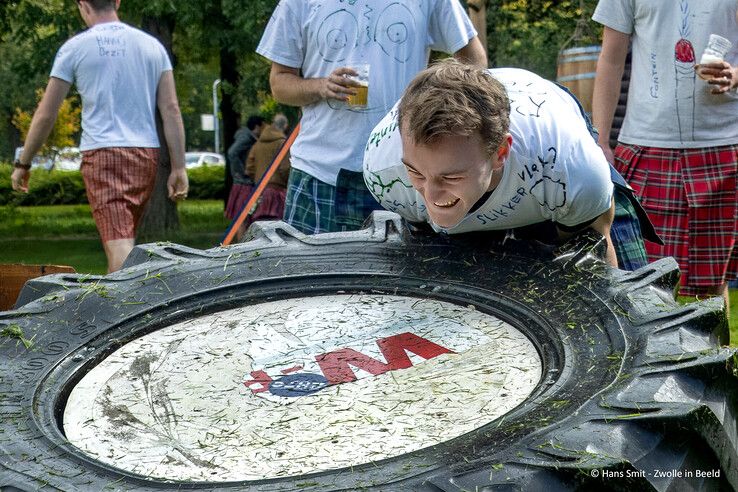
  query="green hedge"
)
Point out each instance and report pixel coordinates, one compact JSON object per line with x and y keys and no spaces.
{"x":207,"y":183}
{"x":68,"y":188}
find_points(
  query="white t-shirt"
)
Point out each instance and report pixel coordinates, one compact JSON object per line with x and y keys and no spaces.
{"x":394,"y":38}
{"x":116,"y":69}
{"x":555,"y":170}
{"x":669,"y":106}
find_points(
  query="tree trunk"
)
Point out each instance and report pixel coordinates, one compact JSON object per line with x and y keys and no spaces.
{"x":230,"y":79}
{"x":160,"y":217}
{"x":478,"y":15}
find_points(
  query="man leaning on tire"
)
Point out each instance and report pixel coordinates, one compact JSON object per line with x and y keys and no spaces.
{"x":468,"y":149}
{"x":122,"y":75}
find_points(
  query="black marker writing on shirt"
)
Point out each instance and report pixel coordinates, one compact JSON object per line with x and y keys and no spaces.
{"x":494,"y":214}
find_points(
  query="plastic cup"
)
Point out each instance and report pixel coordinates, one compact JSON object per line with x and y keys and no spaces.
{"x":361,"y":98}
{"x":716,"y":49}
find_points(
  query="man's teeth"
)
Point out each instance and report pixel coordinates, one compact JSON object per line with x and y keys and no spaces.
{"x":446,"y":204}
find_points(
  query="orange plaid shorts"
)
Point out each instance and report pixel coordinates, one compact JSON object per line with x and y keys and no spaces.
{"x":119,"y":182}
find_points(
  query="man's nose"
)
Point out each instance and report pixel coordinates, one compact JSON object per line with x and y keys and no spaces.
{"x":434,"y":192}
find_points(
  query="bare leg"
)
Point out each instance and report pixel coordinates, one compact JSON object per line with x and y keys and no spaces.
{"x":117,"y":251}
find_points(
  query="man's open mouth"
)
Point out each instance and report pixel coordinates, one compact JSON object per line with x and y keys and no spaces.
{"x":448,"y":204}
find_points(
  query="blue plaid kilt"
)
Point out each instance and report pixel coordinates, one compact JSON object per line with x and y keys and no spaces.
{"x":625,"y":234}
{"x":313,"y":206}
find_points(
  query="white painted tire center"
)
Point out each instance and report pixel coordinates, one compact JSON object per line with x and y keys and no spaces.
{"x":291,"y":387}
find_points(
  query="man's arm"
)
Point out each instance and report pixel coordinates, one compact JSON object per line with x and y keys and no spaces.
{"x":473,"y":53}
{"x":289,"y":87}
{"x":166,"y":101}
{"x":602,"y":225}
{"x":41,"y":126}
{"x":607,"y":84}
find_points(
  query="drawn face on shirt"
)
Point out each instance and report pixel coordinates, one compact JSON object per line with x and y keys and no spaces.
{"x":452,"y":174}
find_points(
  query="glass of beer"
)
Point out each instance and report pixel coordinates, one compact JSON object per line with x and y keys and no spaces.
{"x":360,"y":100}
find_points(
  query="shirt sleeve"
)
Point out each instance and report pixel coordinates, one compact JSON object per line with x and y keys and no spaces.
{"x":166,"y":63}
{"x":450,"y":27}
{"x":282,"y":39}
{"x":590,"y":186}
{"x":616,"y":14}
{"x":63,"y":67}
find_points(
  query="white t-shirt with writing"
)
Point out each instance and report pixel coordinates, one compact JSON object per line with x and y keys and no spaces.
{"x":116,"y":69}
{"x":555,"y":170}
{"x":669,"y":106}
{"x":394,"y":38}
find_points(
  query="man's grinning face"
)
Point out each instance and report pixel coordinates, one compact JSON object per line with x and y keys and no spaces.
{"x":452,"y":174}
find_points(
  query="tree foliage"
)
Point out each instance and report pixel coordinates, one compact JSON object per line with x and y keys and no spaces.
{"x":522,"y":33}
{"x":530,"y":33}
{"x":65,"y":130}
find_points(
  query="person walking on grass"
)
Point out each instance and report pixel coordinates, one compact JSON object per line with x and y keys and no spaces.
{"x":122,"y":75}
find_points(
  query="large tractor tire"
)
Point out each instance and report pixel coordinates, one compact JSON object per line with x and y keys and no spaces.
{"x":369,"y":360}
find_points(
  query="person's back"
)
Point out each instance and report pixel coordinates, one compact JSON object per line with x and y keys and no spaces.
{"x":261,"y":157}
{"x":116,"y":69}
{"x":123,"y":76}
{"x":264,"y":152}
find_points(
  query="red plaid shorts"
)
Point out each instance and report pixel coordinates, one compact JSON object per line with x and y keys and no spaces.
{"x":691,"y":196}
{"x":119,"y":182}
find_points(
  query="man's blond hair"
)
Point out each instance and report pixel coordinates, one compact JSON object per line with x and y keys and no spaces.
{"x":454,"y":99}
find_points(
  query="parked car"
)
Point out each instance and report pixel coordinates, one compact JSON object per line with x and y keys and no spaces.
{"x":199,"y":159}
{"x":68,"y":159}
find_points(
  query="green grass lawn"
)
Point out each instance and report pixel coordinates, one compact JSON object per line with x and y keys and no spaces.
{"x":66,"y":235}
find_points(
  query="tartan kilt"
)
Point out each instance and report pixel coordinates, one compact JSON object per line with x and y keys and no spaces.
{"x":691,"y":197}
{"x":237,"y":198}
{"x":119,"y":182}
{"x":314,"y":206}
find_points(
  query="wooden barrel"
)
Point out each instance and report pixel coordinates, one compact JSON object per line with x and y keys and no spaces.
{"x":576,"y":71}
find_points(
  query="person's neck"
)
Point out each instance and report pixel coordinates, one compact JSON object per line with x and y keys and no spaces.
{"x":103,"y":17}
{"x":496,"y":178}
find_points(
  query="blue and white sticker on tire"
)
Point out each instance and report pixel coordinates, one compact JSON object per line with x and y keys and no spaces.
{"x":299,"y":386}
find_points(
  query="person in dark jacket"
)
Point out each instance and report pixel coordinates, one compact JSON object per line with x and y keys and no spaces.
{"x":261,"y":156}
{"x":242,"y":187}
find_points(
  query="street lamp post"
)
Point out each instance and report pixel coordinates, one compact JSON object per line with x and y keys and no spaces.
{"x":216,"y":126}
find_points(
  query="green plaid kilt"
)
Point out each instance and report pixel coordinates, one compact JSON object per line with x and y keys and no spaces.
{"x":625,"y":233}
{"x":313,"y":206}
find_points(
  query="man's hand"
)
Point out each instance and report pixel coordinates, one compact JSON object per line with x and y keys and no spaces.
{"x":20,"y":178}
{"x":721,"y":75}
{"x":609,"y":155}
{"x":338,"y":85}
{"x":178,"y":184}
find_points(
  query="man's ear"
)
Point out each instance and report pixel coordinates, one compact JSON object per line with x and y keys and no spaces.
{"x":504,"y":150}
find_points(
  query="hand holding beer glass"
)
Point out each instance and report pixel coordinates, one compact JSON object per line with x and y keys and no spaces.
{"x":359,"y":100}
